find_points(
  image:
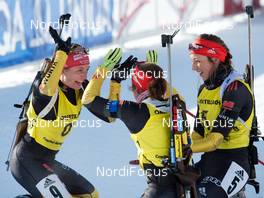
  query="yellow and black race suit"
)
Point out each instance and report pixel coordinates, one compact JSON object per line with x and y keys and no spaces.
{"x":33,"y":157}
{"x":148,"y":125}
{"x":222,"y":131}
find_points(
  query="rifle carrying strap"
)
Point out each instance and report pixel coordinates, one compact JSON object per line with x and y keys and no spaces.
{"x":233,"y":76}
{"x":49,"y":106}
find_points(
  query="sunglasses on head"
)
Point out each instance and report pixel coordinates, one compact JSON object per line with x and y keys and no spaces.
{"x":77,"y":47}
{"x":193,"y":46}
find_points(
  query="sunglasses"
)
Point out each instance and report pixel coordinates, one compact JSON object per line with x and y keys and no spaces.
{"x":77,"y":47}
{"x":193,"y":46}
{"x":196,"y":47}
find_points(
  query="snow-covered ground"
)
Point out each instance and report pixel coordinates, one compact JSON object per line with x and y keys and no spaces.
{"x":107,"y":149}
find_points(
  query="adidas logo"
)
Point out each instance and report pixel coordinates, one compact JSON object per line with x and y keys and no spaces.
{"x":48,"y":182}
{"x":240,"y":174}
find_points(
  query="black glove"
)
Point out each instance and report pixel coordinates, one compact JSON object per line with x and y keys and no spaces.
{"x":62,"y":45}
{"x":120,"y":72}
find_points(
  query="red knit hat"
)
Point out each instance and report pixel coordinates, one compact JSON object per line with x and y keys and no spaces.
{"x":77,"y":57}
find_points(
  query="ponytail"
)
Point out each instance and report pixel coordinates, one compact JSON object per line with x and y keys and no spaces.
{"x":157,"y":88}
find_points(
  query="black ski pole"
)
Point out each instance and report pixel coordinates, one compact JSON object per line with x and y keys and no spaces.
{"x":250,"y":68}
{"x":254,"y":132}
{"x":250,"y":72}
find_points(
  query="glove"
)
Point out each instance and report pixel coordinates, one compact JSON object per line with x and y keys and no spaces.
{"x":120,"y":72}
{"x":152,"y":56}
{"x":62,"y":45}
{"x":112,"y":58}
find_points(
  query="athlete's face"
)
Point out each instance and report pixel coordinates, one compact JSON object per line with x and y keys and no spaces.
{"x":74,"y":77}
{"x":202,"y":65}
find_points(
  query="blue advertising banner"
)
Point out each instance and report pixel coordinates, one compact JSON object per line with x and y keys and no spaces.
{"x":24,"y":26}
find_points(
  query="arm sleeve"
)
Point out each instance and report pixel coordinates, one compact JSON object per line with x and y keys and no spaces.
{"x":49,"y":83}
{"x":237,"y":102}
{"x":114,"y":94}
{"x":196,"y":136}
{"x":93,"y":89}
{"x":210,"y":143}
{"x":39,"y":100}
{"x":91,"y":97}
{"x":134,"y":115}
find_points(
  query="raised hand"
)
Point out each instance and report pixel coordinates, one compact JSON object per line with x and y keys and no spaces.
{"x":62,"y":45}
{"x":120,"y":72}
{"x":152,"y":56}
{"x":112,"y":58}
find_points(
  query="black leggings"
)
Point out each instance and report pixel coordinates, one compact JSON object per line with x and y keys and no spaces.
{"x":29,"y":167}
{"x":214,"y":165}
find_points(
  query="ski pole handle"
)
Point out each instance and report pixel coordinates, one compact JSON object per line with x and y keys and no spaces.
{"x":250,"y":11}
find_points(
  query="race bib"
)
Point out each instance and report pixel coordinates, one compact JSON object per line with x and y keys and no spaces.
{"x":51,"y":186}
{"x":235,"y":179}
